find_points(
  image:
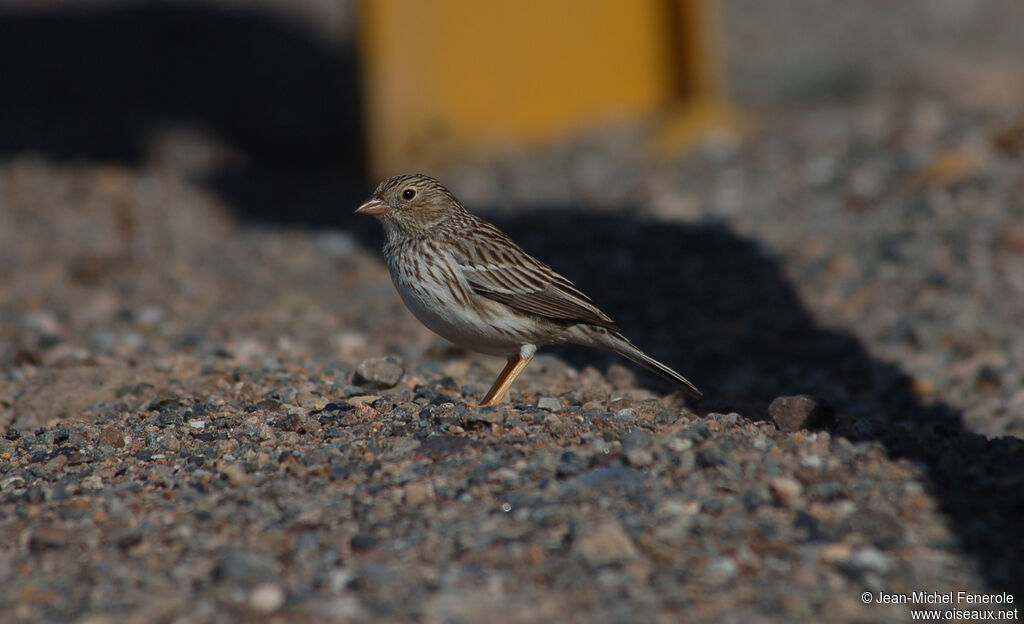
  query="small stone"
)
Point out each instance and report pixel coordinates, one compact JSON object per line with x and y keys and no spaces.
{"x":786,"y":491}
{"x":569,"y":465}
{"x":77,"y":439}
{"x":111,"y":436}
{"x":127,"y":538}
{"x":711,"y":505}
{"x":792,"y":413}
{"x":379,"y":373}
{"x":555,"y":424}
{"x":550,"y":404}
{"x":607,"y":478}
{"x":47,"y":537}
{"x":607,"y":544}
{"x":627,"y":415}
{"x":312,"y":402}
{"x":356,"y":401}
{"x":722,"y":569}
{"x":709,"y":457}
{"x":491,"y":415}
{"x":870,"y":559}
{"x":836,"y":552}
{"x":418,"y":492}
{"x":697,"y":432}
{"x":877,"y":527}
{"x":38,"y":494}
{"x":57,"y":463}
{"x":637,"y":439}
{"x":621,"y":377}
{"x":197,"y":425}
{"x":639,"y":457}
{"x":266,"y":597}
{"x":244,"y":568}
{"x":234,"y":474}
{"x":169,"y":442}
{"x":442,"y":446}
{"x":363,"y":542}
{"x":226,"y":447}
{"x":502,"y":475}
{"x":299,"y":422}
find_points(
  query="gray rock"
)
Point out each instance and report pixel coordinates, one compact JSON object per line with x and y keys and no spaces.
{"x":870,"y":559}
{"x":245,"y":568}
{"x":602,"y":478}
{"x":551,"y":404}
{"x":639,"y":456}
{"x":791,"y":413}
{"x":379,"y":373}
{"x":606,"y":544}
{"x":709,"y":457}
{"x":569,"y":465}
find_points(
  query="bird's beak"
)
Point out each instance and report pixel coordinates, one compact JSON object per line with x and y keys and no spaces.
{"x":373,"y":207}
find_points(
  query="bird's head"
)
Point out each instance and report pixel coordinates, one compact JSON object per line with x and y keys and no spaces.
{"x":410,"y":204}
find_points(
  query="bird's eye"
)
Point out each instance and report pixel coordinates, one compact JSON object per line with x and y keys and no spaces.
{"x":408,"y":194}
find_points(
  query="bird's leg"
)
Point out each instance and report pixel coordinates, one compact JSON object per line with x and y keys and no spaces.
{"x":515,"y":365}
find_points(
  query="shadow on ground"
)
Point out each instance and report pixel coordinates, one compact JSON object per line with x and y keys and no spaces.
{"x":718,"y":309}
{"x":91,"y":83}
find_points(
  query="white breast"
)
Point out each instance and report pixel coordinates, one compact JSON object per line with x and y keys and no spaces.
{"x":483,"y":325}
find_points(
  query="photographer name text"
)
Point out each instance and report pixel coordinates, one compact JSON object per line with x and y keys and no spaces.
{"x":938,"y":598}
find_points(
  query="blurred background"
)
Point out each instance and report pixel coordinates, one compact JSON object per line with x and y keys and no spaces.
{"x":324,"y":85}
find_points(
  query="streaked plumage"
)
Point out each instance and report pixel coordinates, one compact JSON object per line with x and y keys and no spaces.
{"x":469,"y":282}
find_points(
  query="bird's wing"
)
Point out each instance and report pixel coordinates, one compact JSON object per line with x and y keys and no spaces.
{"x":498,"y":269}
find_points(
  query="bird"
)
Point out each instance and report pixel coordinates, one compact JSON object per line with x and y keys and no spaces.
{"x":469,"y":282}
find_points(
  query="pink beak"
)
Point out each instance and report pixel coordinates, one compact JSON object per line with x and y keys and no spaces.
{"x":373,"y":207}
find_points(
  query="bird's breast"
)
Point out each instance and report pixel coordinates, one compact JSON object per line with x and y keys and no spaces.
{"x":434,"y":290}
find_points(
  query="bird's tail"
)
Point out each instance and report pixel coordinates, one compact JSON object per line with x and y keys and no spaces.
{"x":614,"y":341}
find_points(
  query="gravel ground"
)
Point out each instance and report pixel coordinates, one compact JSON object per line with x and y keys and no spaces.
{"x":212,"y":420}
{"x":215,"y":407}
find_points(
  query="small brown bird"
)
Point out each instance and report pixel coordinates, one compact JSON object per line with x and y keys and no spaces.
{"x":466,"y":280}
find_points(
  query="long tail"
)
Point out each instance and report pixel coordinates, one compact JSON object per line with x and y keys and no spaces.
{"x":614,"y":341}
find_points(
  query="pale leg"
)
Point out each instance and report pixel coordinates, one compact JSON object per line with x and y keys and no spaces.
{"x":516,"y":364}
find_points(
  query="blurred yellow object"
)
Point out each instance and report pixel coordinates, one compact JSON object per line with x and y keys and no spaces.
{"x":446,"y":77}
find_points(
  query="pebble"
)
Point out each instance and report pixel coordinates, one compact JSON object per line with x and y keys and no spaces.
{"x":786,"y":491}
{"x":491,"y":414}
{"x":709,"y":458}
{"x":362,"y":542}
{"x":266,"y":598}
{"x":836,"y":553}
{"x":722,"y":570}
{"x":235,"y":474}
{"x":111,"y":436}
{"x":551,"y":404}
{"x":244,"y":568}
{"x":606,"y":544}
{"x":57,"y":463}
{"x":418,"y":492}
{"x":607,"y":478}
{"x":378,"y":373}
{"x":792,"y":413}
{"x":639,"y":457}
{"x":362,"y":399}
{"x":569,"y":465}
{"x":870,"y":559}
{"x":502,"y":475}
{"x":46,"y":537}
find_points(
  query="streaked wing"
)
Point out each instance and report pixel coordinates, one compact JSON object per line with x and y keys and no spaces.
{"x":498,"y":269}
